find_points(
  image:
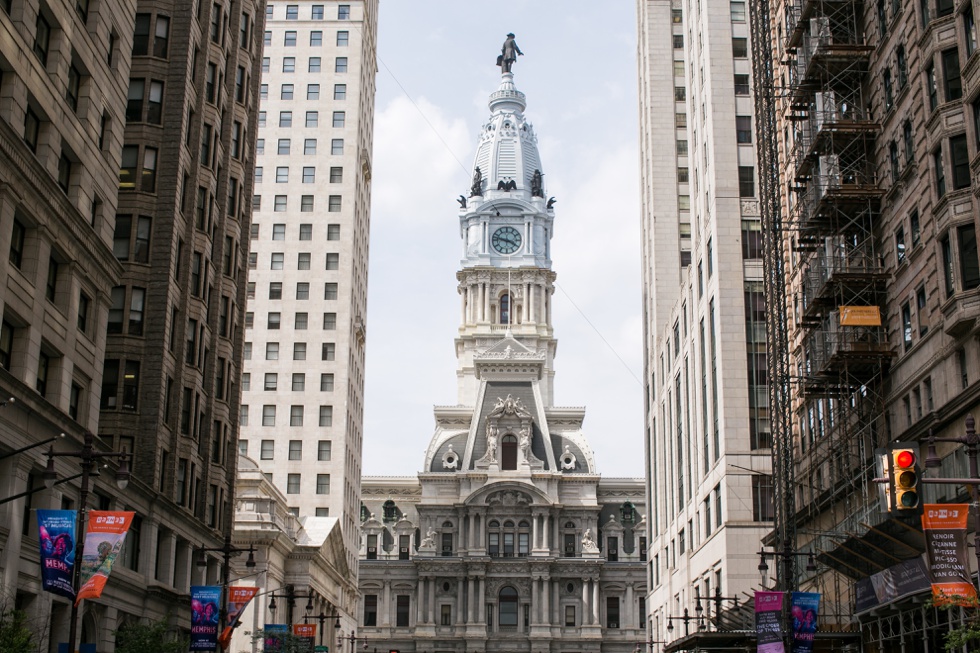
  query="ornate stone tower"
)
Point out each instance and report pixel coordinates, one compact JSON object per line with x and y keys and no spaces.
{"x":516,"y":543}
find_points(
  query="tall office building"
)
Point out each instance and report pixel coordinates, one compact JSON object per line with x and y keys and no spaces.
{"x":303,"y":387}
{"x":707,"y":430}
{"x":127,"y":134}
{"x":875,"y":138}
{"x":508,"y":539}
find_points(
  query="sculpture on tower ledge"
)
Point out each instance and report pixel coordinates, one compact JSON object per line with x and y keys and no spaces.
{"x":508,"y":54}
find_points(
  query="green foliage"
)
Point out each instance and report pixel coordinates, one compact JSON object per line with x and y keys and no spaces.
{"x":15,"y":635}
{"x":290,"y":642}
{"x":154,"y":636}
{"x":966,"y":635}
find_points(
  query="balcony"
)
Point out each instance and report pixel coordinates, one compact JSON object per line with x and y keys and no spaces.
{"x":960,"y":313}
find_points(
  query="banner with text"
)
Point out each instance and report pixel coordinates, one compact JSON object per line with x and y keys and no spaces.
{"x":805,"y":608}
{"x":944,"y":526}
{"x":57,"y":538}
{"x":205,"y":613}
{"x":769,"y":622}
{"x":306,"y":634}
{"x":238,"y":599}
{"x":104,"y":538}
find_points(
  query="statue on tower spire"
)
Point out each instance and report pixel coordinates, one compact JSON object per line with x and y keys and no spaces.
{"x":508,"y":54}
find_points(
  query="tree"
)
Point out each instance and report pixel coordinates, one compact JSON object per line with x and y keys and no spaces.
{"x":15,"y":635}
{"x":287,"y":642}
{"x":156,"y":636}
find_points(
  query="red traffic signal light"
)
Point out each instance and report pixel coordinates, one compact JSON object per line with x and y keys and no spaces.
{"x":904,"y":479}
{"x":905,"y":458}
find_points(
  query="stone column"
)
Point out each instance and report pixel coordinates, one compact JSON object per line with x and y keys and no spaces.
{"x":586,"y":612}
{"x":464,"y":302}
{"x":547,"y":533}
{"x":487,"y":289}
{"x":420,"y":602}
{"x":471,"y":596}
{"x":627,"y":617}
{"x":460,"y":603}
{"x":481,"y":601}
{"x":546,"y":603}
{"x":386,"y":604}
{"x":535,"y":533}
{"x":483,"y":291}
{"x":535,"y":600}
{"x":432,"y":601}
{"x":532,"y":303}
{"x":595,"y":601}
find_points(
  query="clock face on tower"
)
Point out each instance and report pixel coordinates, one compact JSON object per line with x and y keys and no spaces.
{"x":506,"y":240}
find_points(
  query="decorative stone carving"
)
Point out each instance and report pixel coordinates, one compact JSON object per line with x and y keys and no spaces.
{"x":509,"y":498}
{"x":588,"y":542}
{"x":509,"y":406}
{"x":428,"y":542}
{"x":491,"y":455}
{"x":568,"y":460}
{"x":450,"y":459}
{"x":524,"y":439}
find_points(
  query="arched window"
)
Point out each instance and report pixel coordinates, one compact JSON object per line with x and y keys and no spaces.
{"x":493,"y":538}
{"x":505,"y":309}
{"x":508,"y":539}
{"x":523,"y":539}
{"x":507,"y":608}
{"x":447,"y":538}
{"x":508,"y":452}
{"x":390,"y":511}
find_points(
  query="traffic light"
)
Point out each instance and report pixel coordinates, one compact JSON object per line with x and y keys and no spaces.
{"x":904,"y":476}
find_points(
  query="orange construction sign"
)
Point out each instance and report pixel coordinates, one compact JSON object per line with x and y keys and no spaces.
{"x":860,"y":316}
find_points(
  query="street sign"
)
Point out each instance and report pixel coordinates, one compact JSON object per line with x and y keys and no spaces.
{"x":321,"y":649}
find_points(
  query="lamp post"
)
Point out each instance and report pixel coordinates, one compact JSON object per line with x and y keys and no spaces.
{"x":789,"y":556}
{"x":687,"y":619}
{"x":320,"y":618}
{"x":717,"y":599}
{"x":290,"y":597}
{"x":352,"y":638}
{"x":226,"y":551}
{"x":87,"y":456}
{"x":639,"y":648}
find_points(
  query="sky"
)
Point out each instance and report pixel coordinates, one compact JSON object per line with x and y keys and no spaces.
{"x":436,"y":70}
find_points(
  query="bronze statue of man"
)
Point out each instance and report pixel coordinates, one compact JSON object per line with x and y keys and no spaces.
{"x":508,"y":54}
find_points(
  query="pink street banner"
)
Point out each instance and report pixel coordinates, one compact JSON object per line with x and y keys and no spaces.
{"x":769,"y":622}
{"x":56,"y":530}
{"x":944,"y":526}
{"x":103,"y":540}
{"x":238,"y":600}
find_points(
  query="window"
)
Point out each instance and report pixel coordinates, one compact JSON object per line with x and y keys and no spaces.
{"x":343,"y":12}
{"x":268,"y":418}
{"x":284,"y":146}
{"x":944,"y":7}
{"x":970,"y":29}
{"x":42,"y":38}
{"x":301,"y":321}
{"x":333,"y":261}
{"x":937,"y":161}
{"x":920,"y":306}
{"x":340,"y":65}
{"x":279,"y":204}
{"x":6,"y":343}
{"x":286,"y":92}
{"x":309,"y":174}
{"x":507,"y":607}
{"x":931,"y":87}
{"x":323,"y":483}
{"x":289,"y":64}
{"x":292,"y":12}
{"x":312,"y":91}
{"x":312,"y":118}
{"x":743,"y":128}
{"x":401,"y":609}
{"x":340,"y":91}
{"x":317,"y":12}
{"x":84,"y":302}
{"x":952,"y":83}
{"x":72,"y":88}
{"x":295,"y":450}
{"x":337,"y":174}
{"x":763,"y":498}
{"x":893,"y":160}
{"x":32,"y":128}
{"x":314,"y":65}
{"x":316,"y":38}
{"x":292,"y":483}
{"x":947,"y":254}
{"x":289,"y":38}
{"x":740,"y":48}
{"x":303,"y":260}
{"x":282,"y":174}
{"x":299,"y":351}
{"x":303,"y":289}
{"x":343,"y":37}
{"x":323,"y":450}
{"x":329,"y":321}
{"x":961,"y":161}
{"x":334,"y":204}
{"x":906,"y":326}
{"x":328,"y":351}
{"x":900,"y":245}
{"x":737,"y":12}
{"x":336,"y":146}
{"x":915,"y":229}
{"x":612,"y":606}
{"x":330,"y":290}
{"x":907,"y":142}
{"x":339,"y":118}
{"x":306,"y":204}
{"x":326,"y":415}
{"x":680,"y":93}
{"x":887,"y":84}
{"x":746,"y":181}
{"x":741,"y":82}
{"x":309,"y":146}
{"x":901,"y":63}
{"x":966,"y":237}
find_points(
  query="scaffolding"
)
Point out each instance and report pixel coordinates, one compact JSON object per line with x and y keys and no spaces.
{"x":825,"y":284}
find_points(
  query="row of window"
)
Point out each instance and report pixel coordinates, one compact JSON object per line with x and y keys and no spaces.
{"x":301,"y":321}
{"x":316,"y":38}
{"x":313,"y":65}
{"x":286,"y":92}
{"x":297,"y":384}
{"x":302,"y":293}
{"x":309,"y":177}
{"x":312,"y":120}
{"x":296,"y":417}
{"x":267,"y":449}
{"x":328,"y":351}
{"x":305,"y":231}
{"x":316,"y":12}
{"x":278,"y":261}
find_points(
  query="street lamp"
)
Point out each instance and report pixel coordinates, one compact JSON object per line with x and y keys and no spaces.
{"x":352,"y":638}
{"x":320,"y":618}
{"x":87,"y":456}
{"x":687,"y":619}
{"x":788,"y":555}
{"x":290,"y":597}
{"x":227,"y":550}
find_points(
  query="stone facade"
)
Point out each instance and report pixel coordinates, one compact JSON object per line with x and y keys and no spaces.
{"x":508,"y":539}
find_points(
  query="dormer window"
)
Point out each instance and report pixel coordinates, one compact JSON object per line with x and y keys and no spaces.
{"x":628,"y":512}
{"x":505,"y":309}
{"x":390,"y":511}
{"x":508,"y":453}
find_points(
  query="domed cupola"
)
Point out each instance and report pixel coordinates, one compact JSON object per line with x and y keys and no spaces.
{"x":507,"y":153}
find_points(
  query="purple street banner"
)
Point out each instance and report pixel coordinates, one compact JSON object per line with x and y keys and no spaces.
{"x":805,"y":608}
{"x":275,"y":637}
{"x":205,"y":600}
{"x":57,"y":538}
{"x":104,"y":538}
{"x":769,"y":622}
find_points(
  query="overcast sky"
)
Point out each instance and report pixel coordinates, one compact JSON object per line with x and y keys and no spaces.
{"x":436,"y":70}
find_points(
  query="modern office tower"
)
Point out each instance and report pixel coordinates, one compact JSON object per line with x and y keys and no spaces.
{"x":508,"y":537}
{"x":874,"y":135}
{"x":708,"y":443}
{"x":303,"y":387}
{"x":127,"y":136}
